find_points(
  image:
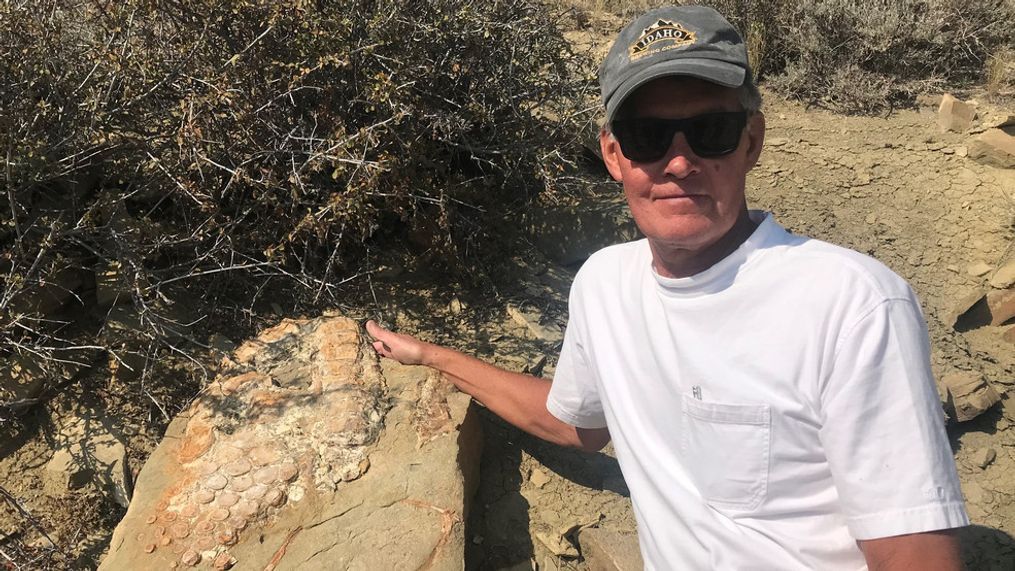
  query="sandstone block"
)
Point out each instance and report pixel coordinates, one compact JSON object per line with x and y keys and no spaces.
{"x":557,"y":544}
{"x":984,"y":457}
{"x":87,"y":455}
{"x":605,"y":550}
{"x":968,"y":395}
{"x":954,"y":114}
{"x":1005,"y":275}
{"x":977,"y":309}
{"x":998,"y":120}
{"x":994,"y":147}
{"x":1009,"y":335}
{"x":970,"y":311}
{"x":1001,"y":304}
{"x":978,"y":268}
{"x":307,"y":454}
{"x":529,"y":319}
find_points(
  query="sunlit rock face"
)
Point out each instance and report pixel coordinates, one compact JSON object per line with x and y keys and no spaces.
{"x":291,"y":418}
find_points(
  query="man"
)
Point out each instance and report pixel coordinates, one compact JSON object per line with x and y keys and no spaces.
{"x":769,"y":396}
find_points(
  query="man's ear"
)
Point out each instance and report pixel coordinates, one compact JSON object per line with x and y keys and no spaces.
{"x":755,"y":138}
{"x":611,"y":154}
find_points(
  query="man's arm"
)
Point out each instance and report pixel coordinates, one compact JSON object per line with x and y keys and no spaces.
{"x":517,"y":398}
{"x":930,"y":551}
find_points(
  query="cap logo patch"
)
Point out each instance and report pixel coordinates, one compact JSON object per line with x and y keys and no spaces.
{"x":672,"y":34}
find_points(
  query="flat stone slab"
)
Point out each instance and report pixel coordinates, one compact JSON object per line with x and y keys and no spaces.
{"x":606,"y":550}
{"x":995,"y":147}
{"x":305,"y":454}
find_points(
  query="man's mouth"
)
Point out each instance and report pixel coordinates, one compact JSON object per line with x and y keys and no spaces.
{"x":679,"y":197}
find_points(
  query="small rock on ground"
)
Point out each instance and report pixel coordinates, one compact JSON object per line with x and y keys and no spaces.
{"x":984,"y":457}
{"x":606,"y":550}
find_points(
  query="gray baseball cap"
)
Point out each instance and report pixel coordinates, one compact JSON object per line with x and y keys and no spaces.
{"x":674,"y":40}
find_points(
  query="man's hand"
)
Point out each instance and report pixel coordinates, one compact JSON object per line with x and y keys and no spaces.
{"x":518,"y":399}
{"x":930,"y":551}
{"x":405,"y":349}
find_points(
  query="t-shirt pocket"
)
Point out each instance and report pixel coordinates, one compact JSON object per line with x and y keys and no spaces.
{"x":726,"y":450}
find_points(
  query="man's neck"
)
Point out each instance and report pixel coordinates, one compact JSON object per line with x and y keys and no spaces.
{"x":675,"y":262}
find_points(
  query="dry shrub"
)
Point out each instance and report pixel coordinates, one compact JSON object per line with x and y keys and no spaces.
{"x":212,"y":151}
{"x":755,"y":38}
{"x":1000,"y":72}
{"x":625,"y":8}
{"x":865,"y":57}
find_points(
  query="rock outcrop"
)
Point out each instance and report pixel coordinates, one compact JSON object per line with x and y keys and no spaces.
{"x":995,"y":147}
{"x":968,"y":395}
{"x":955,"y":114}
{"x":86,"y":453}
{"x":305,"y":454}
{"x":605,"y":550}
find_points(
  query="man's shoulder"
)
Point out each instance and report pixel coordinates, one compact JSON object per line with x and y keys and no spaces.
{"x":611,"y":269}
{"x":824,"y":267}
{"x":842,"y":267}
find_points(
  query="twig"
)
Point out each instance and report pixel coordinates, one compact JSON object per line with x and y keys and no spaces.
{"x":179,"y":184}
{"x":24,"y":512}
{"x":236,"y":56}
{"x":206,"y":272}
{"x":14,"y":409}
{"x":8,"y":558}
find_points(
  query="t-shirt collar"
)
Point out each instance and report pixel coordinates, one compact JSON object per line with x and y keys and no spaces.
{"x":724,"y":272}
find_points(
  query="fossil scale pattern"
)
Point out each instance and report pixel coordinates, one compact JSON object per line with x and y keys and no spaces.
{"x":293,"y":414}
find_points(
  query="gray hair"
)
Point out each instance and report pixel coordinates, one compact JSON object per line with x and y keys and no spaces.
{"x":748,"y":94}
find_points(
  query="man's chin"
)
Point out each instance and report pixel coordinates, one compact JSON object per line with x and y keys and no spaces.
{"x":686,"y":226}
{"x":693,"y":241}
{"x":685,"y":231}
{"x":689,"y":205}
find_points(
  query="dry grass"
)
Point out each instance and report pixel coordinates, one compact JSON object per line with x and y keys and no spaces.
{"x":999,"y":72}
{"x":755,"y":40}
{"x":624,"y":8}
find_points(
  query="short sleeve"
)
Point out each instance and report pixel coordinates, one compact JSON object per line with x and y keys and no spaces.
{"x":883,"y":428}
{"x":574,"y":394}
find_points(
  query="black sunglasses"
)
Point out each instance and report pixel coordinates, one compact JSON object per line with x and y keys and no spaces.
{"x":647,"y":139}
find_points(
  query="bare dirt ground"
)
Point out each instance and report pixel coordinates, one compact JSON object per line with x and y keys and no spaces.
{"x":893,"y":187}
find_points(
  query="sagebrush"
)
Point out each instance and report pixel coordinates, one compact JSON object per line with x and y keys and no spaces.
{"x":206,"y":153}
{"x":864,"y":56}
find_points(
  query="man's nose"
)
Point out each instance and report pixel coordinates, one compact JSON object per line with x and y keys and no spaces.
{"x":681,"y":161}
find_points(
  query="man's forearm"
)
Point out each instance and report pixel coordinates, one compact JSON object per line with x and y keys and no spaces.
{"x":928,"y":551}
{"x":519,"y":399}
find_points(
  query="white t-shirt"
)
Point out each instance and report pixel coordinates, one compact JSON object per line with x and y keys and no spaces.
{"x":767,"y":412}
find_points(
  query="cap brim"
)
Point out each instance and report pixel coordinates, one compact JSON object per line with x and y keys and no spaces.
{"x":716,"y":71}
